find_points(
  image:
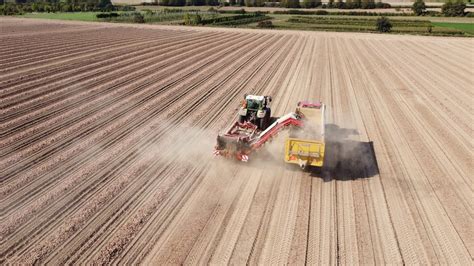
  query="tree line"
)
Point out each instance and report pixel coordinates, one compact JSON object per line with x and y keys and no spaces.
{"x":28,"y":6}
{"x":448,"y":9}
{"x":349,"y":4}
{"x":340,"y":4}
{"x":187,"y":2}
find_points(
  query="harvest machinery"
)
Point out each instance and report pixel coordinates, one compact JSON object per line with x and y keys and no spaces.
{"x":255,"y":109}
{"x":305,"y":142}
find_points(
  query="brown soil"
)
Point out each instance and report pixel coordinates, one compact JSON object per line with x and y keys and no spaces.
{"x":108,"y":130}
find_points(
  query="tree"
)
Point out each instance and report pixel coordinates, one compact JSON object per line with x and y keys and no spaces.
{"x":309,"y":3}
{"x":66,"y":8}
{"x":419,"y":7}
{"x":34,"y":7}
{"x":383,"y":24}
{"x":249,"y":2}
{"x":357,"y":4}
{"x":192,"y":19}
{"x":349,"y":4}
{"x":197,"y":19}
{"x":138,"y":18}
{"x":367,"y":4}
{"x":290,"y":3}
{"x":232,"y":2}
{"x":259,"y":2}
{"x":330,"y":4}
{"x":451,"y":9}
{"x":195,"y":2}
{"x":103,"y":4}
{"x":265,"y":24}
{"x":382,"y":5}
{"x":211,"y":2}
{"x":187,"y":19}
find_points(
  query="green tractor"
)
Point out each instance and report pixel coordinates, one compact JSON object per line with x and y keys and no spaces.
{"x":256,"y":110}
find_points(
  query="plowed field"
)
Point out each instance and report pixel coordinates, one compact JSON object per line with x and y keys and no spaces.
{"x":107,"y":134}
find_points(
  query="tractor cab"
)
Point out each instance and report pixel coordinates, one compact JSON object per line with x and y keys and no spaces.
{"x":256,"y":110}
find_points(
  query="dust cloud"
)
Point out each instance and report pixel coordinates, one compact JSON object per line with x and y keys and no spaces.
{"x":191,"y":146}
{"x":184,"y":144}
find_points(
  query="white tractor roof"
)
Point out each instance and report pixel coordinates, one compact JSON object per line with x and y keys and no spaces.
{"x":255,"y":97}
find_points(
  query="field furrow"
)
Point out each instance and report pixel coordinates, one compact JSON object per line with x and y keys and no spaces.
{"x":107,"y":132}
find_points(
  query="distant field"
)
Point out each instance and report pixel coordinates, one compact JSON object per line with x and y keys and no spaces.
{"x":82,"y":16}
{"x":419,"y":25}
{"x":362,"y":24}
{"x":155,"y":8}
{"x":392,"y":2}
{"x":405,"y":9}
{"x":466,"y":27}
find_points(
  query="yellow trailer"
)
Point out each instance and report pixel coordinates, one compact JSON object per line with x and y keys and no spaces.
{"x":305,"y":146}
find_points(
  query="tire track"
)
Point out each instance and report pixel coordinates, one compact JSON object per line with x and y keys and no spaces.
{"x":99,"y":108}
{"x":210,"y":120}
{"x":34,"y":85}
{"x":178,"y":95}
{"x":103,"y":159}
{"x":224,"y":51}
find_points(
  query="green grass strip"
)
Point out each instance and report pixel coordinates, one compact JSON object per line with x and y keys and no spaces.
{"x":82,"y":16}
{"x":465,"y":27}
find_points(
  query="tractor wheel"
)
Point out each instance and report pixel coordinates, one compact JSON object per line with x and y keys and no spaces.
{"x":265,"y":121}
{"x":241,"y":118}
{"x":261,"y":123}
{"x":268,"y":117}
